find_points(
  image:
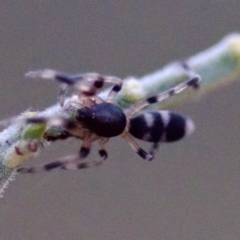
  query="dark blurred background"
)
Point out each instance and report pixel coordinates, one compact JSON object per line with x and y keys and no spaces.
{"x":191,"y":189}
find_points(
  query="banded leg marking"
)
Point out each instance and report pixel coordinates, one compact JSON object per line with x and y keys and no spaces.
{"x":141,"y":152}
{"x":71,"y":162}
{"x":193,"y":82}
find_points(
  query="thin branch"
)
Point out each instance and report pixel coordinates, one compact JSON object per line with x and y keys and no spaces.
{"x":218,"y":66}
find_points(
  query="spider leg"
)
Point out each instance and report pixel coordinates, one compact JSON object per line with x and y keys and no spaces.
{"x":79,"y":83}
{"x":141,"y":152}
{"x":116,"y":88}
{"x":49,"y":166}
{"x":67,"y":162}
{"x":82,"y":165}
{"x":71,"y":162}
{"x":98,"y":82}
{"x":192,"y":82}
{"x":53,"y":121}
{"x":50,"y":74}
{"x":190,"y":73}
{"x":62,"y":94}
{"x":102,"y":153}
{"x":154,"y":148}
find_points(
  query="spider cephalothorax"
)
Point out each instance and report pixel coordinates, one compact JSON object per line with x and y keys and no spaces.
{"x":98,"y":120}
{"x":104,"y":119}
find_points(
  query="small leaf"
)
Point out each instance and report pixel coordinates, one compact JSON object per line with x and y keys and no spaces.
{"x":34,"y":131}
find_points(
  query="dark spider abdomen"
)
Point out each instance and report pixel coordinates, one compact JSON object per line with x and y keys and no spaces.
{"x":161,"y":126}
{"x":104,"y":119}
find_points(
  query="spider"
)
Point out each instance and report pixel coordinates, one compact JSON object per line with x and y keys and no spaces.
{"x":99,"y":120}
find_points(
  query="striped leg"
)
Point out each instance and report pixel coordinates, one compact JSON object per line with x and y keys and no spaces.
{"x":116,"y":88}
{"x":71,"y":162}
{"x":79,"y":82}
{"x":68,"y":162}
{"x":103,"y":156}
{"x":142,"y":153}
{"x":190,"y":73}
{"x":102,"y":153}
{"x":50,"y":166}
{"x":193,"y":82}
{"x":154,"y":148}
{"x":98,"y":82}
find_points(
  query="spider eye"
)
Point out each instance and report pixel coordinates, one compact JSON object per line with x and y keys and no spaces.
{"x":161,"y":126}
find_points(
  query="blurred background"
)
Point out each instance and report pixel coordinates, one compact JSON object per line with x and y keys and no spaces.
{"x":190,"y":191}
